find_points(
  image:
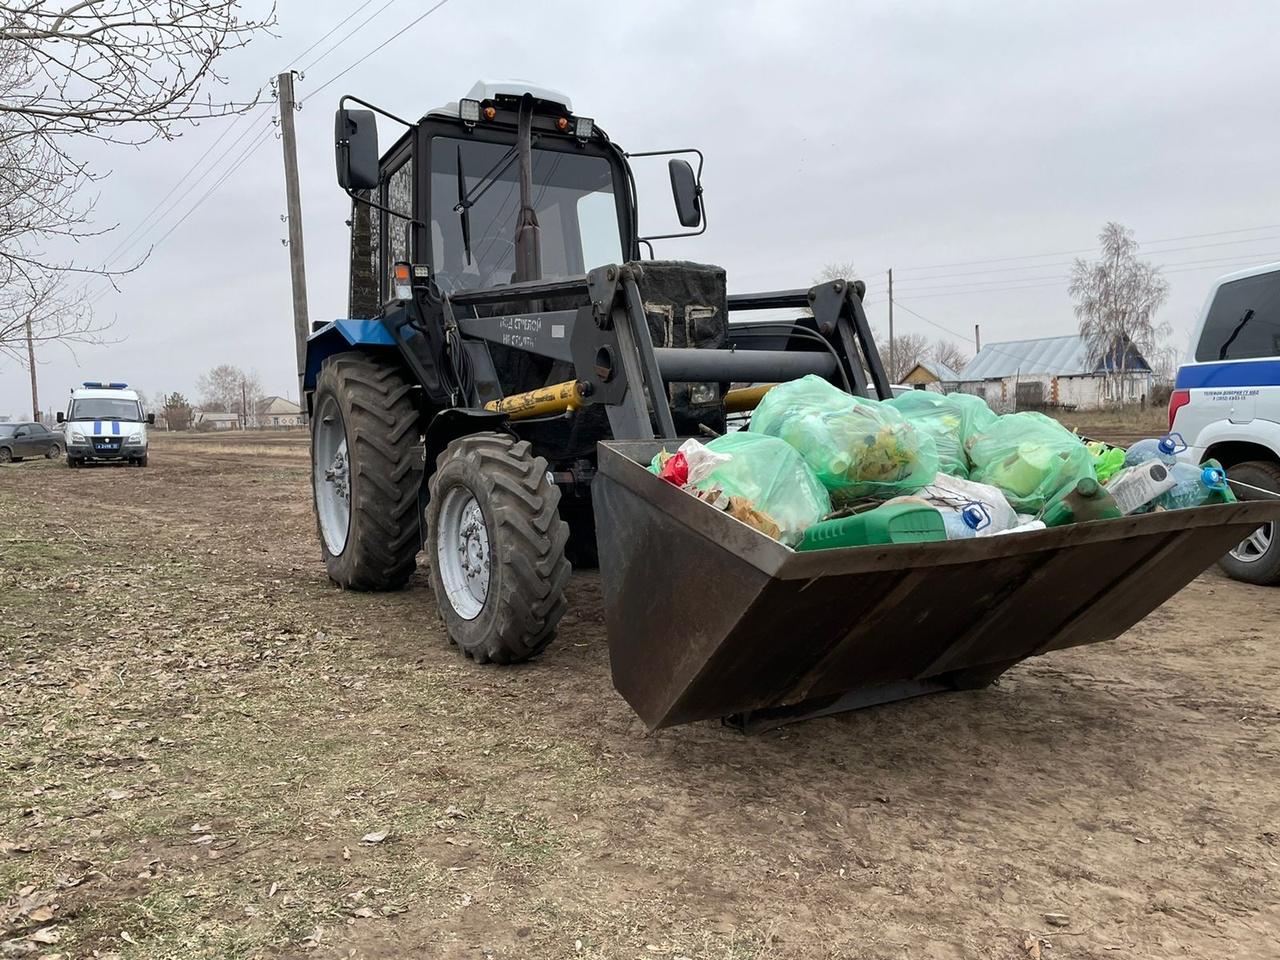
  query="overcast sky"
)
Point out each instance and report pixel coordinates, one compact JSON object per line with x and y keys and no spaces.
{"x":921,"y":136}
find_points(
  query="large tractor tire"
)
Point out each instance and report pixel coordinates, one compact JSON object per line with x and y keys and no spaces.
{"x":496,"y":543}
{"x":1256,"y":559}
{"x":366,"y":466}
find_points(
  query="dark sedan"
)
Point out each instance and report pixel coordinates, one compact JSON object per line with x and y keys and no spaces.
{"x":19,"y":440}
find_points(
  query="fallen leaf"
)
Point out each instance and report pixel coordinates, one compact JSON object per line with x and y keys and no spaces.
{"x":1032,"y":946}
{"x":115,"y":793}
{"x":376,"y":837}
{"x":346,"y":853}
{"x":206,"y":838}
{"x":1057,"y":919}
{"x":452,"y":811}
{"x":365,"y":913}
{"x":200,"y":828}
{"x":272,"y":892}
{"x":1142,"y":839}
{"x":45,"y":935}
{"x":391,"y":909}
{"x":41,"y":915}
{"x":124,"y":935}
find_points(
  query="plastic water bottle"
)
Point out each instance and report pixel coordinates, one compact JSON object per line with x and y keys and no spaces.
{"x":963,"y":523}
{"x":1194,"y":486}
{"x":1165,"y":449}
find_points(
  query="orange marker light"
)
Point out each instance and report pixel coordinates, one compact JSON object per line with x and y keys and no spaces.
{"x":490,"y":113}
{"x":562,"y":124}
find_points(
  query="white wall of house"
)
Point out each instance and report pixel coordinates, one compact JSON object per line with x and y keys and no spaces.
{"x":1083,"y":393}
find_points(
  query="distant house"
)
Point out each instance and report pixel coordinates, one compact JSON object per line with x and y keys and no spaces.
{"x":279,"y":412}
{"x":931,"y":375}
{"x":205,"y":420}
{"x":1055,"y":371}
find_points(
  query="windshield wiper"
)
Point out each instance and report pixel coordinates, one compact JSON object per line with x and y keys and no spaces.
{"x":468,"y":200}
{"x":1248,"y":315}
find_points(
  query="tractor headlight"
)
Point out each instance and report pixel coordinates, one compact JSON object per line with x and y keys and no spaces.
{"x":469,"y":111}
{"x":583,"y":127}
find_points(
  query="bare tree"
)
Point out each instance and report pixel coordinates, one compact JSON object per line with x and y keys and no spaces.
{"x":908,"y":350}
{"x":228,"y":389}
{"x":948,"y":352}
{"x":1116,"y":299}
{"x":121,"y":71}
{"x":50,"y":312}
{"x":836,"y":270}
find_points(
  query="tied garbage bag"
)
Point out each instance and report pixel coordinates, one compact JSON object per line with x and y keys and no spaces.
{"x":935,"y":415}
{"x":765,"y":472}
{"x":1030,"y":457}
{"x":856,"y":447}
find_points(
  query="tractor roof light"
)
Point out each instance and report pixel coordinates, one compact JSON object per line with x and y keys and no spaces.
{"x":562,"y":124}
{"x":583,"y":127}
{"x":469,"y":111}
{"x":401,"y":281}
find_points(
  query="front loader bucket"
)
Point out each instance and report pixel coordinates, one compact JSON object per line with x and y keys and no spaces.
{"x":708,"y":618}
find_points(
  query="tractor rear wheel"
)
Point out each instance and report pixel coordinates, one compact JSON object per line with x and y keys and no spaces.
{"x":496,"y":543}
{"x":366,"y":466}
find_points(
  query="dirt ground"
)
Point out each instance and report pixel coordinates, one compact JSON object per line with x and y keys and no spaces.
{"x":207,"y":750}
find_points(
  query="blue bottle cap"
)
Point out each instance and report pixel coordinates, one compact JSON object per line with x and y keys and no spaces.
{"x":1171,"y":443}
{"x":1213,"y":477}
{"x":975,"y":516}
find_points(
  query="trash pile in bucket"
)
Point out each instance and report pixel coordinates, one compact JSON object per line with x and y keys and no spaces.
{"x":818,"y":468}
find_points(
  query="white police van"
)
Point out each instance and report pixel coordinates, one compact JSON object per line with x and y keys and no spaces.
{"x":105,"y":422}
{"x":1226,"y":402}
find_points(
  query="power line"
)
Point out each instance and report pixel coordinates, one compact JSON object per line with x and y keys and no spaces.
{"x":412,"y":23}
{"x":347,"y":36}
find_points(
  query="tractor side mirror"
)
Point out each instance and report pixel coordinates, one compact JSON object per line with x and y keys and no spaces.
{"x":61,"y":418}
{"x":151,"y":419}
{"x":687,"y":192}
{"x":356,"y":149}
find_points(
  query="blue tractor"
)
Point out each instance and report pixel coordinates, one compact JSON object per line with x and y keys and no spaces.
{"x":502,"y":320}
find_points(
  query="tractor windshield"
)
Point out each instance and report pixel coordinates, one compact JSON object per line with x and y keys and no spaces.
{"x":572,"y":194}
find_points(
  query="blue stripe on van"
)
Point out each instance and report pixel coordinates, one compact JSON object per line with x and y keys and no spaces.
{"x":1229,"y":373}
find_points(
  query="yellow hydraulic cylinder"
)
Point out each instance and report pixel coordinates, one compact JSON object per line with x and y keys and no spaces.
{"x":543,"y":402}
{"x":745,"y":398}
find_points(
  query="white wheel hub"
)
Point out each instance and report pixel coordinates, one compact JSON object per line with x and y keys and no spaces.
{"x":463,"y":552}
{"x":331,"y":476}
{"x":1255,"y":546}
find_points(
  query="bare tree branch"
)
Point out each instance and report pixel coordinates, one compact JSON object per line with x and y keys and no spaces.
{"x":1116,"y":299}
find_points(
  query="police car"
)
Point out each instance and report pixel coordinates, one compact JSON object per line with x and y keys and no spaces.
{"x":1226,"y":402}
{"x":105,"y":422}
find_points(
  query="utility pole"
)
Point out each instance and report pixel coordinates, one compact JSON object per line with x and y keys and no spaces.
{"x":892,"y":367}
{"x":31,"y":362}
{"x":244,"y":405}
{"x":297,"y":268}
{"x":977,"y":340}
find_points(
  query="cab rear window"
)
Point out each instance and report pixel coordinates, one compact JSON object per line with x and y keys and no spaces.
{"x":1243,"y":321}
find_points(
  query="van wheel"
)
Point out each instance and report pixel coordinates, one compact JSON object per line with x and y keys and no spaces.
{"x":1256,"y":559}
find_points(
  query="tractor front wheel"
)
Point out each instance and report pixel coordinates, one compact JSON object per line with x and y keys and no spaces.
{"x":366,"y":465}
{"x":496,"y":543}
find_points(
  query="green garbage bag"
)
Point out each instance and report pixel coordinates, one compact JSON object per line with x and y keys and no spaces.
{"x":935,"y":415}
{"x":857,"y":447}
{"x":1030,"y":457}
{"x":773,"y":477}
{"x":975,"y":415}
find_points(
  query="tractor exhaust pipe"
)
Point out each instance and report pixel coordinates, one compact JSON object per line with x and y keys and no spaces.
{"x":528,"y":239}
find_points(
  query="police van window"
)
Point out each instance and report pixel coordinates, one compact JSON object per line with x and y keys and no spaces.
{"x":1243,"y":321}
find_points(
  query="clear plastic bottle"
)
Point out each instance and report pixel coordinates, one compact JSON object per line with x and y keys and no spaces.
{"x":1165,"y":449}
{"x":963,"y":523}
{"x":1195,"y":486}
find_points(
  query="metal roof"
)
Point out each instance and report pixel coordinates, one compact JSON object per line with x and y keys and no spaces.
{"x":1057,"y":356}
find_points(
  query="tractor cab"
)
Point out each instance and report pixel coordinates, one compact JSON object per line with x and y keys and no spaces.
{"x":450,"y":195}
